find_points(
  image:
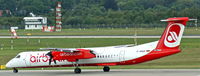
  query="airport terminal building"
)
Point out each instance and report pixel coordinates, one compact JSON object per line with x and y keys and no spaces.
{"x":35,"y":22}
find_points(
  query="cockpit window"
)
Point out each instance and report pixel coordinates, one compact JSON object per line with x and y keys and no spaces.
{"x":18,"y":56}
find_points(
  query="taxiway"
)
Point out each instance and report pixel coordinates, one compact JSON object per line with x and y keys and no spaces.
{"x":99,"y":72}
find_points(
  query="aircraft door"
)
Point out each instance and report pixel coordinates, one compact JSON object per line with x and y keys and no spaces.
{"x":121,"y":56}
{"x":27,"y":60}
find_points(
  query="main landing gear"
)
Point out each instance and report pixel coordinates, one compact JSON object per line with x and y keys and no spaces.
{"x":77,"y":70}
{"x":15,"y":70}
{"x":106,"y":69}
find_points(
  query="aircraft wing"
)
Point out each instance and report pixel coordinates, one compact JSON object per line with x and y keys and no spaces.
{"x":60,"y":49}
{"x":117,"y":46}
{"x":74,"y":50}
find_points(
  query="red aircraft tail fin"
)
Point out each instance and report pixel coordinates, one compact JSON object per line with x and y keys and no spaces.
{"x":172,"y":35}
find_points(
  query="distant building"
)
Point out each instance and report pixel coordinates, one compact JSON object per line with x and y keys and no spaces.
{"x":5,"y":12}
{"x":35,"y":22}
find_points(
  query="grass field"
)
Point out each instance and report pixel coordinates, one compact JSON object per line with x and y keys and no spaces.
{"x":102,"y":31}
{"x":188,"y":58}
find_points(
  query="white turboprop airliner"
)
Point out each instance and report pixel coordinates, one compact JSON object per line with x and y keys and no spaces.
{"x":168,"y":44}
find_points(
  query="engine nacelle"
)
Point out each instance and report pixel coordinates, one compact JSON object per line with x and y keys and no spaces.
{"x":73,"y":56}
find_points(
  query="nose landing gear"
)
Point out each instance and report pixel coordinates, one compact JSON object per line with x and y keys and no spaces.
{"x":15,"y":70}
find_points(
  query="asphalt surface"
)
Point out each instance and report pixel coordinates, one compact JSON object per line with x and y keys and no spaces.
{"x":195,"y":36}
{"x":99,"y":72}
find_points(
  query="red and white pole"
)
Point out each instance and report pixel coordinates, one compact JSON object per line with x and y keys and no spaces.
{"x":58,"y":17}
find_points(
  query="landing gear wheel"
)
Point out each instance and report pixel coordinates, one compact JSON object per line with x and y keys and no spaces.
{"x":77,"y":70}
{"x":106,"y":69}
{"x":15,"y":70}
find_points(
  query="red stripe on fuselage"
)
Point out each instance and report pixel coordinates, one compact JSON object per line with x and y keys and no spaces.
{"x":151,"y":56}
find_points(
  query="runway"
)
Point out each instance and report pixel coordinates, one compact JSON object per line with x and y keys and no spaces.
{"x":195,"y":36}
{"x":99,"y":72}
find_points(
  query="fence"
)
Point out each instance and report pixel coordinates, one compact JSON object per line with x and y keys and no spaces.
{"x":152,"y":25}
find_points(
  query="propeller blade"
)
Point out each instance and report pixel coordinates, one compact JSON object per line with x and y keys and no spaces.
{"x":50,"y":61}
{"x":54,"y":61}
{"x":51,"y":56}
{"x":49,"y":53}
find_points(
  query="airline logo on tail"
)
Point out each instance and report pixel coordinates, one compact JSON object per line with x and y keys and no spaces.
{"x":174,"y":35}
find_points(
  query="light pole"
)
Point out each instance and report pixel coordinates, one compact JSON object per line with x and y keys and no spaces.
{"x":196,"y":24}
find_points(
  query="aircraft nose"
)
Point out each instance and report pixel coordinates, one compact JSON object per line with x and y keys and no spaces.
{"x":15,"y":63}
{"x":9,"y":65}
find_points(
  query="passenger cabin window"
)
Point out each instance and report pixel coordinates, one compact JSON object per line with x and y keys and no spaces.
{"x":18,"y":56}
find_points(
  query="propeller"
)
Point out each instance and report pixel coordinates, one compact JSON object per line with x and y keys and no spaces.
{"x":51,"y":57}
